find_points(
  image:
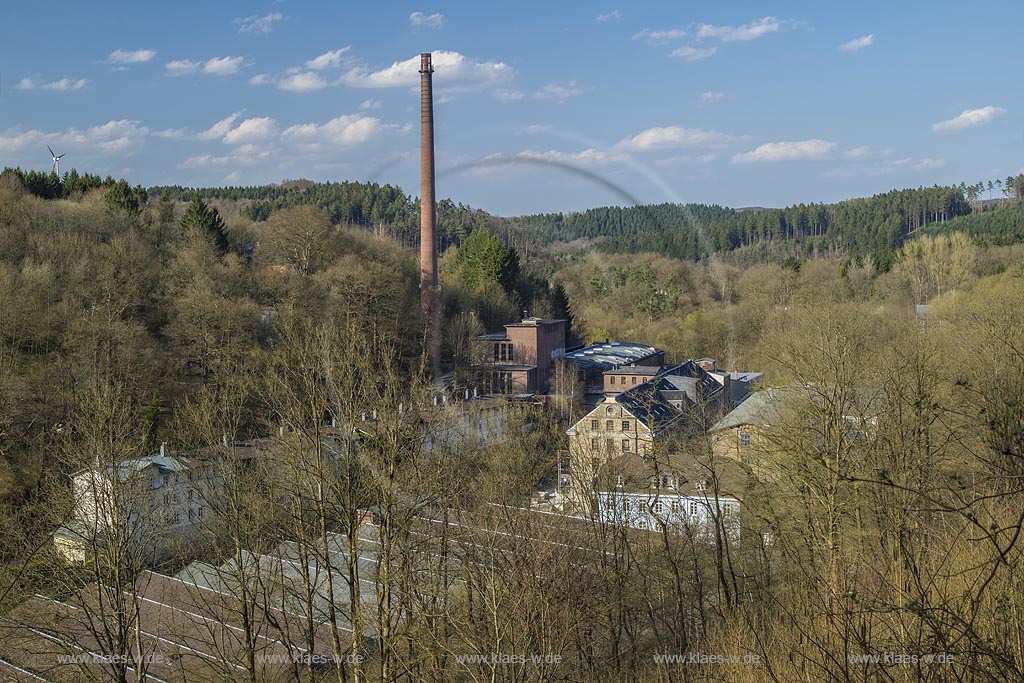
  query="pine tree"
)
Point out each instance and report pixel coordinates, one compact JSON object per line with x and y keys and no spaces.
{"x":202,"y":219}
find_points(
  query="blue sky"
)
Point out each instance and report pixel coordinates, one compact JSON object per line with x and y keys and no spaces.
{"x":540,"y":106}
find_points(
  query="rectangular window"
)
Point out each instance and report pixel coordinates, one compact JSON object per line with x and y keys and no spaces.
{"x":675,"y":506}
{"x":625,"y":445}
{"x":496,"y":346}
{"x":594,"y":424}
{"x":744,"y":440}
{"x":610,"y":425}
{"x":625,"y":425}
{"x":594,"y":443}
{"x":693,"y":508}
{"x":634,"y":379}
{"x":657,"y":507}
{"x":610,"y":445}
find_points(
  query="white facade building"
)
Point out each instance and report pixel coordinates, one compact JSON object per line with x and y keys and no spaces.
{"x":691,"y":512}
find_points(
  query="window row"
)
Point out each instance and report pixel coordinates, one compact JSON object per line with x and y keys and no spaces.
{"x":609,"y":425}
{"x":625,"y":444}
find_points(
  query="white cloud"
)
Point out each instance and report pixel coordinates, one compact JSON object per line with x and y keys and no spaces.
{"x":503,"y":95}
{"x":252,"y":130}
{"x":858,"y":43}
{"x":249,"y":158}
{"x":350,"y":129}
{"x":553,"y":91}
{"x":307,"y":81}
{"x":751,"y":31}
{"x":258,"y":24}
{"x":306,"y":78}
{"x":214,"y":132}
{"x":118,"y":136}
{"x":786,"y":151}
{"x":969,"y":118}
{"x":881,"y":165}
{"x":222,"y":66}
{"x":684,"y":159}
{"x":586,"y":156}
{"x":120,"y":56}
{"x":660,"y":36}
{"x":710,"y":97}
{"x":857,"y":152}
{"x":915,"y":164}
{"x":372,"y":103}
{"x":328,"y":60}
{"x":614,"y":15}
{"x":450,"y":67}
{"x":181,"y":67}
{"x":418,"y":19}
{"x":673,"y":136}
{"x":692,"y":54}
{"x":63,"y":85}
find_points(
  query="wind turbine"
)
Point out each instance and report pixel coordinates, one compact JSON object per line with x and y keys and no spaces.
{"x":56,"y":161}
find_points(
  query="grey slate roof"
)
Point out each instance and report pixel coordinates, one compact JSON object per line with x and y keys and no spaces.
{"x":767,"y":407}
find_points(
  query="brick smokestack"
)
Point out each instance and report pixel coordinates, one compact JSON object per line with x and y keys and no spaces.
{"x":428,"y":209}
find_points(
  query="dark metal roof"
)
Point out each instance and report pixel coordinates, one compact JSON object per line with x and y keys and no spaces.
{"x":610,"y":355}
{"x":635,"y":370}
{"x":534,"y":322}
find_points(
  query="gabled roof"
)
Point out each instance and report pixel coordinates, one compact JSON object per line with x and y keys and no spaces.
{"x":768,"y":406}
{"x":692,"y":380}
{"x":760,"y":409}
{"x":651,"y":401}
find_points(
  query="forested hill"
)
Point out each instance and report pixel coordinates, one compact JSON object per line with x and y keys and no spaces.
{"x":876,"y":225}
{"x":617,"y":221}
{"x":998,"y":224}
{"x":384,"y":208}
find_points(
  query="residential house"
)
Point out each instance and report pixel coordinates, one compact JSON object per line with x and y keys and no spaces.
{"x":745,"y":435}
{"x":685,"y":497}
{"x":636,"y":422}
{"x":158,"y":504}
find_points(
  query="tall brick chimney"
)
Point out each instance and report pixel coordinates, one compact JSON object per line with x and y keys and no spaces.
{"x":428,"y":217}
{"x":428,"y":209}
